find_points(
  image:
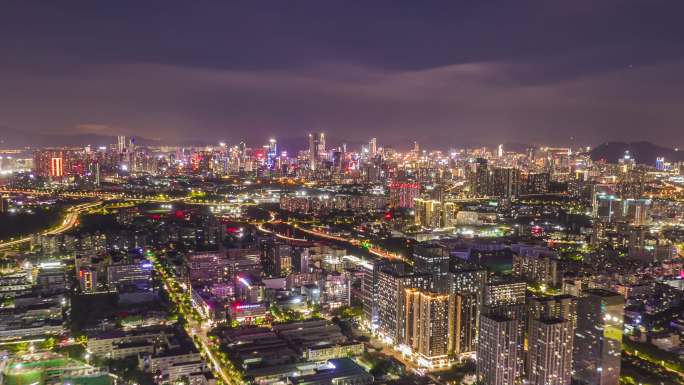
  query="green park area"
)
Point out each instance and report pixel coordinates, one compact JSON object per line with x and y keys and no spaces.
{"x":652,"y":354}
{"x":54,"y":369}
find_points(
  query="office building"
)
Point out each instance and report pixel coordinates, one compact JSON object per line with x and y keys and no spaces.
{"x":137,"y":274}
{"x":316,"y":149}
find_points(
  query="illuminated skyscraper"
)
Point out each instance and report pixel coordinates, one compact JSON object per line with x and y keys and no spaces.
{"x":316,"y":149}
{"x":427,"y":326}
{"x":478,"y":177}
{"x":464,"y":323}
{"x":551,"y":330}
{"x":373,"y":147}
{"x":271,"y":153}
{"x":504,"y":182}
{"x":57,"y":167}
{"x":403,"y":195}
{"x":598,"y":343}
{"x":550,"y":352}
{"x":53,"y":163}
{"x":369,"y":288}
{"x":427,"y":213}
{"x":498,"y":352}
{"x":505,"y":292}
{"x":277,"y":259}
{"x":321,"y":145}
{"x":504,"y":305}
{"x":121,"y":144}
{"x":392,"y":282}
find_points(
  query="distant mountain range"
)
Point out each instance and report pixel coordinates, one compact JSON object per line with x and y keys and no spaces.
{"x":642,"y":152}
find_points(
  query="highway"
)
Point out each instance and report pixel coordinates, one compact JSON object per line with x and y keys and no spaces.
{"x":354,"y":242}
{"x":70,"y":220}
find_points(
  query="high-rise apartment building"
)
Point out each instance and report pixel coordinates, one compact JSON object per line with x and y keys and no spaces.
{"x":479,"y":178}
{"x":535,"y":264}
{"x":505,"y":292}
{"x":277,"y":259}
{"x":52,"y":163}
{"x":504,"y":182}
{"x":464,"y":324}
{"x":499,"y":354}
{"x":550,"y":352}
{"x":369,"y":290}
{"x":551,"y":330}
{"x":598,"y":342}
{"x":403,"y":194}
{"x":536,"y":183}
{"x":392,"y":283}
{"x":428,"y":327}
{"x":121,"y":144}
{"x":431,"y":258}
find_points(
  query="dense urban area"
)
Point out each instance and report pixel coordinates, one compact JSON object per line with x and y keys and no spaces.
{"x":241,"y":264}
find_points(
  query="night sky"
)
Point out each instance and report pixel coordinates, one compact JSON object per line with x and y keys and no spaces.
{"x":558,"y":72}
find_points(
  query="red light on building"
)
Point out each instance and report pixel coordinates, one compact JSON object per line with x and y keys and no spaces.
{"x":536,"y":230}
{"x":56,"y":167}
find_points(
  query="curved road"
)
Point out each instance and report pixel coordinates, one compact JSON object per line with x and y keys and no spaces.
{"x":70,"y":220}
{"x":354,"y":242}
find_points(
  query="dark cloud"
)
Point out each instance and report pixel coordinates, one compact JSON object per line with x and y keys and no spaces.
{"x":451,"y":72}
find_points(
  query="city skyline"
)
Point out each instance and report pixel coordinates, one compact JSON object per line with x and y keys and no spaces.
{"x":348,"y":193}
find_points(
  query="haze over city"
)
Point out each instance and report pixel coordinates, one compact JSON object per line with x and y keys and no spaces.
{"x":532,"y":72}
